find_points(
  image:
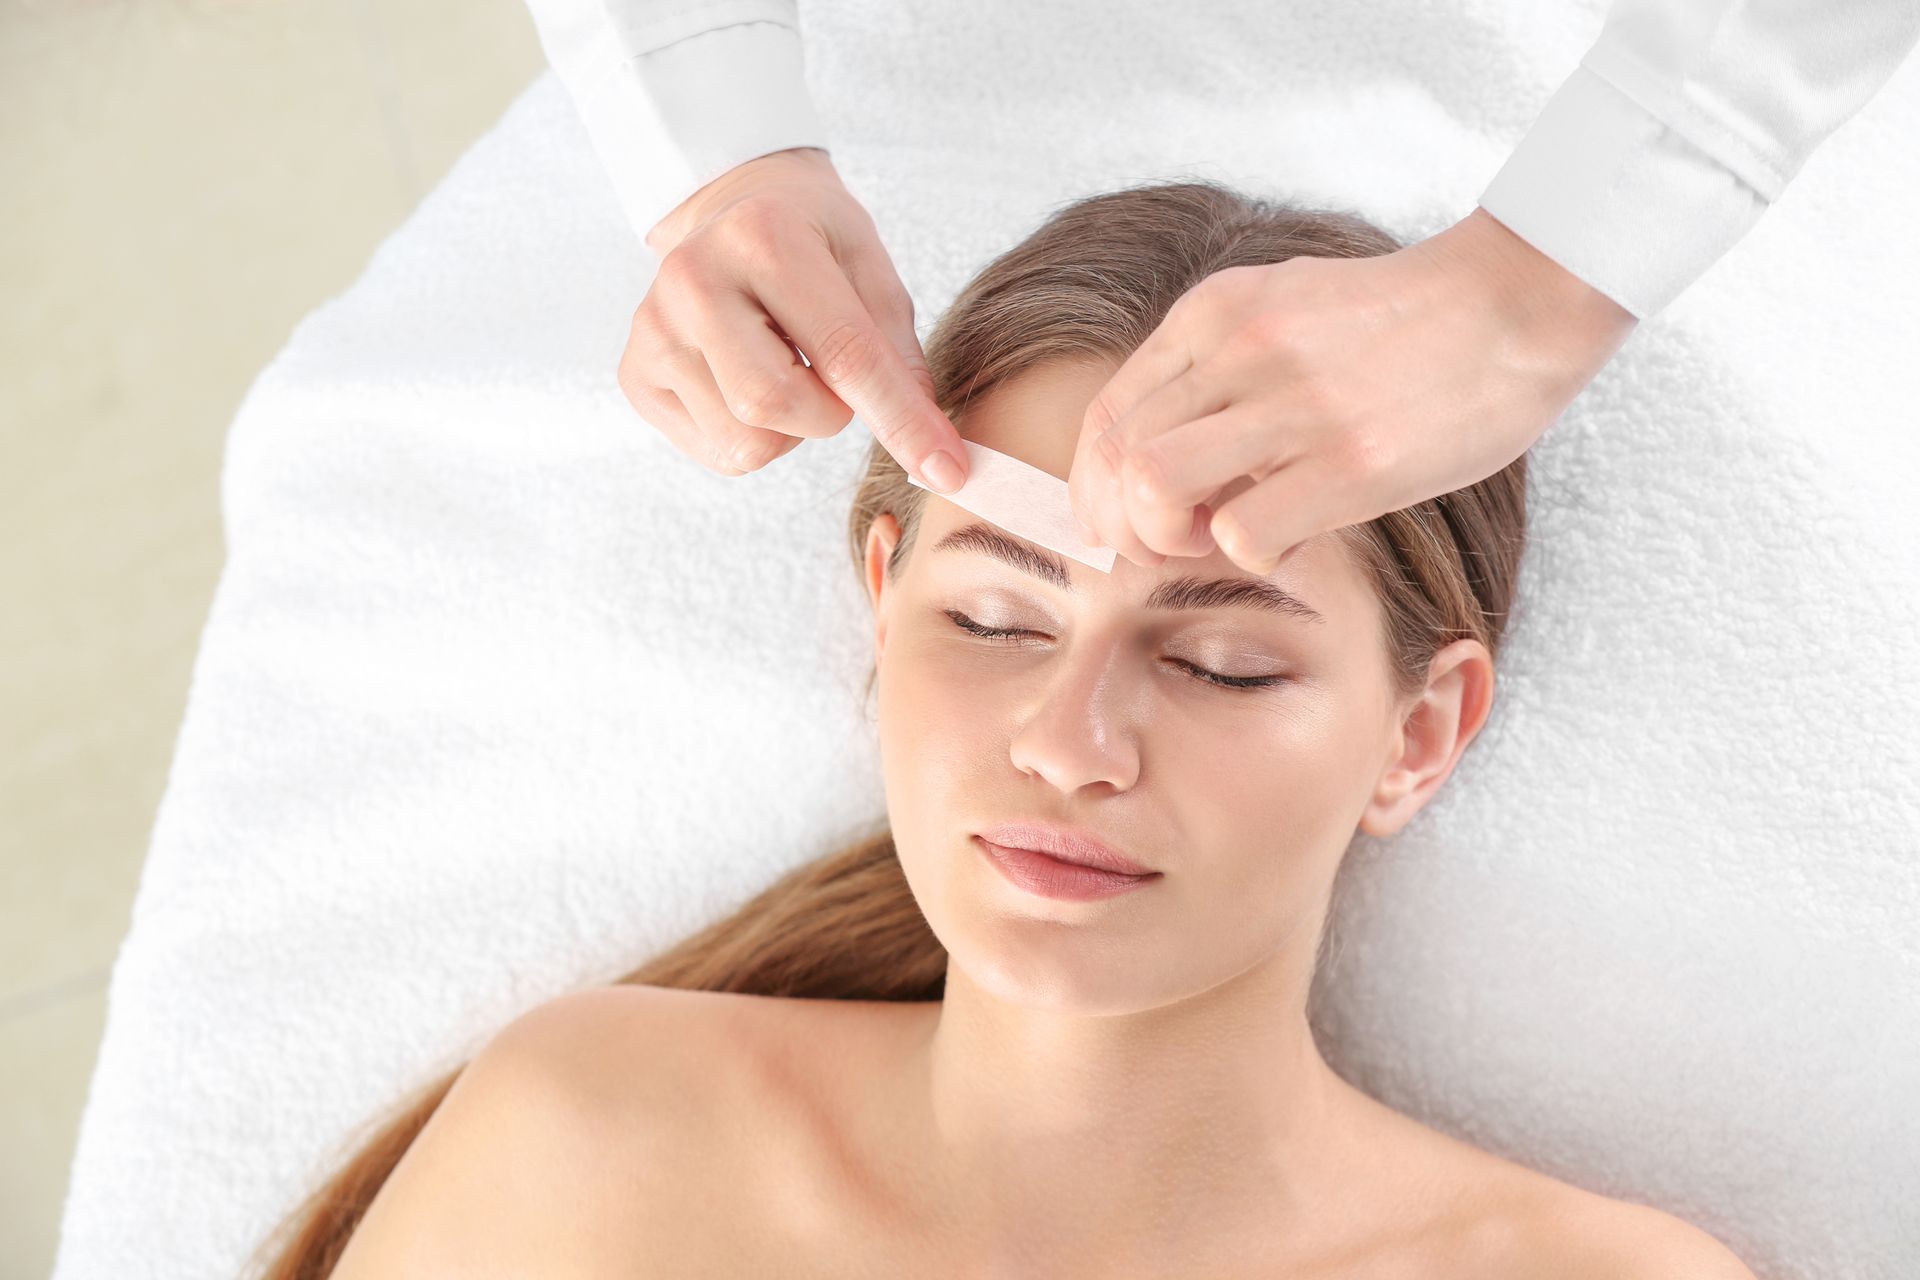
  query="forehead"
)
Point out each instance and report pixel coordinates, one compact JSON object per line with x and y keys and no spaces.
{"x":1037,"y":417}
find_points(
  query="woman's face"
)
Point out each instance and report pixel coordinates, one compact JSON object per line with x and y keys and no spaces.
{"x":1097,"y":715}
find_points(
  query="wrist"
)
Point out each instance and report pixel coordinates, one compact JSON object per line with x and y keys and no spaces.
{"x":1534,"y":287}
{"x":689,"y":213}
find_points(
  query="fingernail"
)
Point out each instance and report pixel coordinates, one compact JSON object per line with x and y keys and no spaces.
{"x":941,"y":472}
{"x":1087,"y":535}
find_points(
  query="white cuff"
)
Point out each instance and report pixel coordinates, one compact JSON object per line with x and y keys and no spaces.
{"x":667,"y":122}
{"x":1610,"y":192}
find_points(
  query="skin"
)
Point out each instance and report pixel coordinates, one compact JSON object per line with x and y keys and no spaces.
{"x":1122,"y":1088}
{"x":1337,"y":389}
{"x":1134,"y":1079}
{"x":1343,"y":388}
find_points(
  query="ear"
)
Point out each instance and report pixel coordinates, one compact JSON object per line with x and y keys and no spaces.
{"x":882,"y":536}
{"x":1432,"y":735}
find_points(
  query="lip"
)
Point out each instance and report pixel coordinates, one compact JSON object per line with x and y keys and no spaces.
{"x":1051,"y":878}
{"x":1064,"y":844}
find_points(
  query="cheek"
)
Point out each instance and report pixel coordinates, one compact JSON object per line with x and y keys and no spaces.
{"x":936,"y":732}
{"x":1279,"y":788}
{"x":937,"y":748}
{"x":944,"y":684}
{"x":1272,"y":823}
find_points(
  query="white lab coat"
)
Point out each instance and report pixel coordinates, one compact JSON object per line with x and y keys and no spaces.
{"x":1663,"y":147}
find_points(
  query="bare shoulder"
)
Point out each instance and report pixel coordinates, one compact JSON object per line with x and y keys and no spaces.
{"x":629,"y":1070}
{"x":1508,"y":1219}
{"x":623,"y":1045}
{"x":544,"y":1136}
{"x":1581,"y":1235}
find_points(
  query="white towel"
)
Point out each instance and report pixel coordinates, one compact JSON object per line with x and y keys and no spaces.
{"x":499,"y":694}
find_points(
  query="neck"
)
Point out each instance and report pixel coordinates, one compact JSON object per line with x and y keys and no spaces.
{"x":1141,"y":1140}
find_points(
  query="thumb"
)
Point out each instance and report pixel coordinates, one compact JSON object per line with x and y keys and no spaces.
{"x":863,"y":349}
{"x":945,"y":437}
{"x":930,"y":431}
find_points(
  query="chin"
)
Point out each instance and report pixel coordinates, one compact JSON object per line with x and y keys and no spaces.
{"x":1041,"y":964}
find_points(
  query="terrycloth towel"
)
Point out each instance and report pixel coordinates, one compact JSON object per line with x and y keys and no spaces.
{"x":499,"y":694}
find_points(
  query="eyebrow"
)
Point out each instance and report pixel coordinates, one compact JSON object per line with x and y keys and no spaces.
{"x":1175,"y":593}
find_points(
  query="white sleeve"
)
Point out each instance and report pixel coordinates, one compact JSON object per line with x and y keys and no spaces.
{"x":674,"y":93}
{"x":1681,"y":124}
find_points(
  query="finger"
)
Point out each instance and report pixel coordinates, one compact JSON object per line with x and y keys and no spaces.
{"x":758,"y":377}
{"x":1132,"y":525}
{"x":1109,"y":508}
{"x":1266,"y":521}
{"x":686,"y":413}
{"x":1196,"y":539}
{"x":1163,"y":357}
{"x":891,"y":306}
{"x":656,"y":354}
{"x":1165,"y":481}
{"x":742,"y":448}
{"x":815,"y":303}
{"x":1195,"y":460}
{"x":663,"y":411}
{"x":1166,"y":527}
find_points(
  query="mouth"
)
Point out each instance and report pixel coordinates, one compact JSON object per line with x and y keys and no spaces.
{"x":1050,"y":877}
{"x":1063,"y":843}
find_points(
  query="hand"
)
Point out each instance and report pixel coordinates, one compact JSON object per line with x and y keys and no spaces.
{"x":1279,"y":401}
{"x":771,"y":261}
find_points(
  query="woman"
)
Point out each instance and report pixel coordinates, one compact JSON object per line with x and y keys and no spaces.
{"x":931,"y":1054}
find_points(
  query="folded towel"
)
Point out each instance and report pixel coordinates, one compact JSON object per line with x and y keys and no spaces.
{"x":499,"y":694}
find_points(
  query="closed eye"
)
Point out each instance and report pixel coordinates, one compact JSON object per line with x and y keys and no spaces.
{"x":1009,"y":635}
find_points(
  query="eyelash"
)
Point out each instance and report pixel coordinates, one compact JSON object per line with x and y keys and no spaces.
{"x":967,"y":624}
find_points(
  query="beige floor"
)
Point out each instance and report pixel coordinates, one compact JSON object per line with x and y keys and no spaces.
{"x":184,"y":179}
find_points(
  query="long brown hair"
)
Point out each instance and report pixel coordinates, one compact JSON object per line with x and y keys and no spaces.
{"x":1090,"y":283}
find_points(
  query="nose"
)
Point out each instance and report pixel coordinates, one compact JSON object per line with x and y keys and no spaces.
{"x":1079,"y":730}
